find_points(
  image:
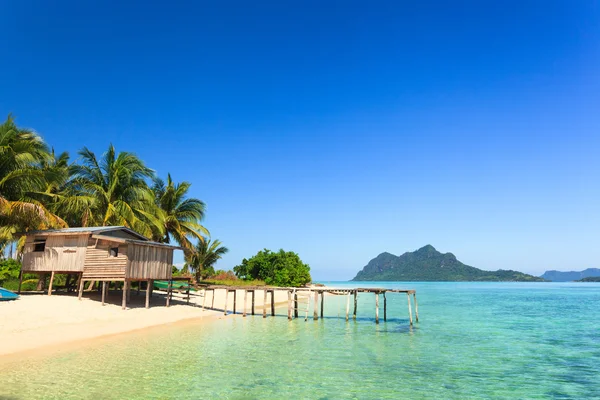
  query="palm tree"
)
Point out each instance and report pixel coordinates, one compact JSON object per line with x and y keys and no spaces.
{"x":22,"y":156}
{"x":206,"y":253}
{"x":111,"y":191}
{"x":179,"y":216}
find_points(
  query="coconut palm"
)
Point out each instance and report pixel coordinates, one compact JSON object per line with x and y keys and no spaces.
{"x":22,"y":155}
{"x":206,"y":253}
{"x":111,"y":190}
{"x":179,"y":215}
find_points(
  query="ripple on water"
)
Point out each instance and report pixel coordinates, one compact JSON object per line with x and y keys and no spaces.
{"x":474,"y":341}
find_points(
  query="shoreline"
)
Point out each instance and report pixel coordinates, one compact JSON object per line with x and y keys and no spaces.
{"x":37,"y":324}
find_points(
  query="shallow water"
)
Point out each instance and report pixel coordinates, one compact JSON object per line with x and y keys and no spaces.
{"x":474,"y":340}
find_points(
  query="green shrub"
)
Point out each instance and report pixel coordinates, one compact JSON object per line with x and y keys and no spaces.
{"x":278,"y":269}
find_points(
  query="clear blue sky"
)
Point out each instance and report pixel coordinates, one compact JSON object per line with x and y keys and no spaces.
{"x":338,"y":130}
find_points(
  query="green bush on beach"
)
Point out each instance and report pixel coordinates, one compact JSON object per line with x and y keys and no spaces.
{"x":278,"y":269}
{"x":9,"y":276}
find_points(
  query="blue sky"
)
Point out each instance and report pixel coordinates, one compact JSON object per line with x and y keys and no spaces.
{"x":338,"y":130}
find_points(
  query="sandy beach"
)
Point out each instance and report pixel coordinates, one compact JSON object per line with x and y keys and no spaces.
{"x":37,"y":321}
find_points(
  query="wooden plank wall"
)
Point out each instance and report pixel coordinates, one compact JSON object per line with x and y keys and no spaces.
{"x":63,"y":253}
{"x":100,"y":265}
{"x":149,"y":262}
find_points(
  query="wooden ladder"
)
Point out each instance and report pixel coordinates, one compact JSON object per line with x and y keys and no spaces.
{"x":301,"y":302}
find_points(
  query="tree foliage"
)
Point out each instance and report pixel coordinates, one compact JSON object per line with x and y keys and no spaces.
{"x":280,"y":269}
{"x":206,"y":253}
{"x":178,"y":216}
{"x":24,"y":175}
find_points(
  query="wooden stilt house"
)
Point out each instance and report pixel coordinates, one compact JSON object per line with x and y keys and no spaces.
{"x":102,"y":254}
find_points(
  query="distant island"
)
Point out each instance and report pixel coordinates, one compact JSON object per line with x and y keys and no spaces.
{"x":428,"y":264}
{"x":590,"y":279}
{"x":569,"y":276}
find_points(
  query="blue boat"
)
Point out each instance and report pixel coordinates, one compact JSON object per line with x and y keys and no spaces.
{"x":6,"y":294}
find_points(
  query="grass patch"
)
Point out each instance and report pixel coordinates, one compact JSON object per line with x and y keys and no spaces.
{"x":231,"y":282}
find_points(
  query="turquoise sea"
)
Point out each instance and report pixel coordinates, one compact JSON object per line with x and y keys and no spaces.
{"x":473,"y":341}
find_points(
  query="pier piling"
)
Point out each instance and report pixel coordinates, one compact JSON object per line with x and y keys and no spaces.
{"x":347,"y":305}
{"x":289,"y":305}
{"x":377,"y":307}
{"x":384,"y":307}
{"x":410,"y":318}
{"x":295,"y":304}
{"x":316,"y":314}
{"x":416,"y":307}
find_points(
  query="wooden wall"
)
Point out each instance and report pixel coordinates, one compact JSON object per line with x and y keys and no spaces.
{"x":81,"y":253}
{"x":149,"y":262}
{"x":63,"y":253}
{"x":100,"y":265}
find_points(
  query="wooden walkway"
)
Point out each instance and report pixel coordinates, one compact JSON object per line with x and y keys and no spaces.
{"x":299,"y":299}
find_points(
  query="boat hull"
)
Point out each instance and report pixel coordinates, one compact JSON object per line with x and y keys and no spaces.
{"x":6,"y":295}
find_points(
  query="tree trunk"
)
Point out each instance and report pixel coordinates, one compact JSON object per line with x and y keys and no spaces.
{"x":41,"y":285}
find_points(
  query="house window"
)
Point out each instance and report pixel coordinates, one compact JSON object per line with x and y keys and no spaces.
{"x":113,"y":251}
{"x":39,"y":245}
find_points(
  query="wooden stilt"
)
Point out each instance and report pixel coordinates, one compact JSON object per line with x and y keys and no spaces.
{"x":384,"y":307}
{"x":295,"y":304}
{"x":416,"y":307}
{"x":138,"y":288}
{"x":50,"y":285}
{"x":316,"y":313}
{"x":204,"y":299}
{"x":234,"y":299}
{"x":376,"y":308}
{"x":245,"y":302}
{"x":225,"y":306}
{"x":169,"y":289}
{"x":289,"y":305}
{"x":272,"y":303}
{"x":129,"y":292}
{"x":124,"y":302}
{"x":103,"y":291}
{"x":148,"y":294}
{"x":188,"y":291}
{"x":355,"y":303}
{"x":20,"y":280}
{"x":265,"y":305}
{"x":347,"y":306}
{"x":409,"y":309}
{"x":212,"y":304}
{"x":253,"y":295}
{"x":81,"y":283}
{"x":322,"y":302}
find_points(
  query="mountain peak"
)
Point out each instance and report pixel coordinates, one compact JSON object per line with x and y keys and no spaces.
{"x":428,"y":264}
{"x":427,"y":249}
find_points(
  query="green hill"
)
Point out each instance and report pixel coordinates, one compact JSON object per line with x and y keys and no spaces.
{"x":428,"y":264}
{"x":590,"y":279}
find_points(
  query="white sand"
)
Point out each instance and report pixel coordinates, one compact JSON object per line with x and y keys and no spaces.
{"x":36,"y":320}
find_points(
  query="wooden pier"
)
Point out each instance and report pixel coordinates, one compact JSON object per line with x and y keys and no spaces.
{"x":299,"y":300}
